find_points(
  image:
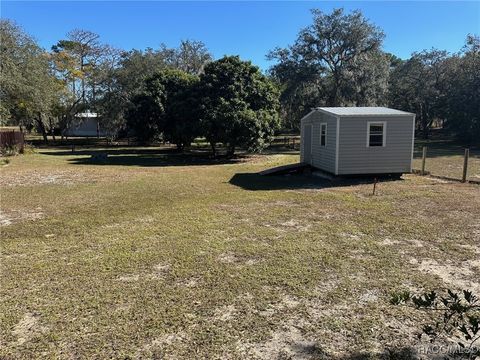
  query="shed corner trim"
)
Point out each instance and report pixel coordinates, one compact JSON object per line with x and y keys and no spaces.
{"x":413,"y":142}
{"x":337,"y":145}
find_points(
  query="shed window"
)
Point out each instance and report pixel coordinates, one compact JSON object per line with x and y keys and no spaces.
{"x":376,"y":134}
{"x":323,"y":134}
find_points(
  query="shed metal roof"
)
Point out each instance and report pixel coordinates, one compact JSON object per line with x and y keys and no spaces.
{"x":362,"y":111}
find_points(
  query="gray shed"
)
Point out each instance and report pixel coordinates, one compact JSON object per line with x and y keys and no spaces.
{"x":358,"y":140}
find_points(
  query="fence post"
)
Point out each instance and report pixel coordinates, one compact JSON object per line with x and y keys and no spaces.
{"x":424,"y":157}
{"x":465,"y":165}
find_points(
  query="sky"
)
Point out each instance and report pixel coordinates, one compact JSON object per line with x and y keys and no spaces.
{"x":247,"y":28}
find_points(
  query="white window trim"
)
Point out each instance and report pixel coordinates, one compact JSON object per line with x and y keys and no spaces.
{"x":384,"y":135}
{"x":326,"y":130}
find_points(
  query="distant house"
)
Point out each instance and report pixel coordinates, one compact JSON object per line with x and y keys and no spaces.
{"x":85,"y":124}
{"x":358,"y":140}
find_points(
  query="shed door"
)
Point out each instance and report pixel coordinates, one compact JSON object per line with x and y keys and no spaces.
{"x":307,"y":144}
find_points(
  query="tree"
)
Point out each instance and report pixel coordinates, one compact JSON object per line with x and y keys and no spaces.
{"x":338,"y":58}
{"x":127,"y":81}
{"x":463,"y":92}
{"x":367,"y":79}
{"x":29,"y":90}
{"x":144,"y":117}
{"x":301,"y":86}
{"x":180,"y":118}
{"x":191,"y":57}
{"x":166,"y":107}
{"x":238,"y":105}
{"x":419,"y":85}
{"x":86,"y":66}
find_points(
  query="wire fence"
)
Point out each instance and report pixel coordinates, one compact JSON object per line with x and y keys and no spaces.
{"x":448,"y":161}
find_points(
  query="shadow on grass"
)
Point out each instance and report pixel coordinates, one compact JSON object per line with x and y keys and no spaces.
{"x":145,"y":157}
{"x":255,"y":181}
{"x":313,"y":351}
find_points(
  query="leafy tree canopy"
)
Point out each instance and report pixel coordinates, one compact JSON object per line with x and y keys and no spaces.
{"x":336,"y":61}
{"x":238,"y":104}
{"x":29,"y":91}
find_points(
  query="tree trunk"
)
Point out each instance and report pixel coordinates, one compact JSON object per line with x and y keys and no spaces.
{"x":214,"y":149}
{"x":52,"y":129}
{"x":231,"y":150}
{"x":333,"y":98}
{"x":41,"y":127}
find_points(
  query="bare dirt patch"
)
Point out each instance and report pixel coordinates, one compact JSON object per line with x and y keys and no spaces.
{"x":353,"y":236}
{"x":289,"y":342}
{"x":225,"y":313}
{"x":28,"y":328}
{"x":289,"y":225}
{"x":15,"y":216}
{"x":129,"y":278}
{"x":297,"y":225}
{"x":388,"y":242}
{"x":150,"y":349}
{"x":459,"y":276}
{"x":160,"y":271}
{"x":369,"y":296}
{"x":189,"y":282}
{"x":231,"y":258}
{"x":29,"y":178}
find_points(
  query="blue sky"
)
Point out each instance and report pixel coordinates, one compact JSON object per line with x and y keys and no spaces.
{"x":248,"y":29}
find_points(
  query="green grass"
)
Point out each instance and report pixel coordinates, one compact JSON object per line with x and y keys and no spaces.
{"x":155,"y":254}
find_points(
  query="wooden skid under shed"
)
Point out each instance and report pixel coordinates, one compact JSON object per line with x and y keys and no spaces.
{"x":286,"y":169}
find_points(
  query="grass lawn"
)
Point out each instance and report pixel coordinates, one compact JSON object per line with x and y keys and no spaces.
{"x":157,"y":255}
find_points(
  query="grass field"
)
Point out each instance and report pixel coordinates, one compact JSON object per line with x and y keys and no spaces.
{"x":158,"y":255}
{"x":445,"y":158}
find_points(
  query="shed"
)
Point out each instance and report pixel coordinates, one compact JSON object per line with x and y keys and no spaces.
{"x":358,"y":140}
{"x":85,"y":124}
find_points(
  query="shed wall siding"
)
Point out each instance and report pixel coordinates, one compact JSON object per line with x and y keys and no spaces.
{"x":323,"y":157}
{"x":356,"y":158}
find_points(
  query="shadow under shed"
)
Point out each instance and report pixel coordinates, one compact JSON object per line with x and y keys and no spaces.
{"x":255,"y":181}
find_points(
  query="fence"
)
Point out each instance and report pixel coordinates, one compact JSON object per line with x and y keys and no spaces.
{"x":452,"y":162}
{"x":11,"y":138}
{"x":287,"y":141}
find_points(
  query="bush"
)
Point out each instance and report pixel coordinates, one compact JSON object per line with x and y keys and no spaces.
{"x":458,"y":317}
{"x":9,"y":150}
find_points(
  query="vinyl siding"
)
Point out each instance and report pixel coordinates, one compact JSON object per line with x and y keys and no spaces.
{"x":323,"y":157}
{"x":356,"y":158}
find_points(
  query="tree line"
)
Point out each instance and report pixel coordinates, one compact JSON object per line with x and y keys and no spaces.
{"x":338,"y":61}
{"x":178,"y":94}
